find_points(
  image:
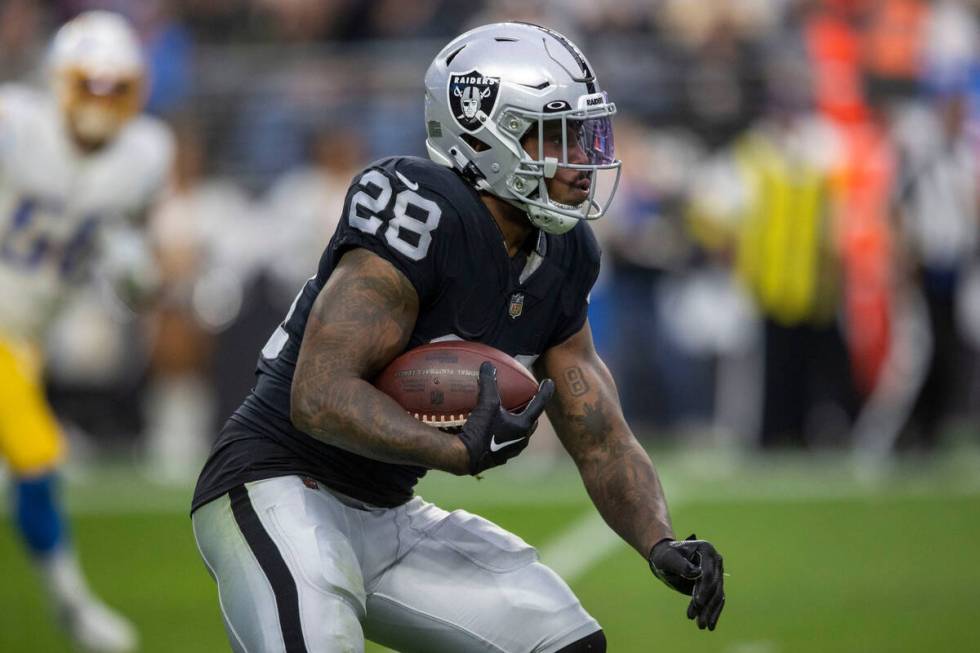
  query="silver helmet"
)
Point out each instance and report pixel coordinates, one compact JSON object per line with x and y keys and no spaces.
{"x":493,"y":85}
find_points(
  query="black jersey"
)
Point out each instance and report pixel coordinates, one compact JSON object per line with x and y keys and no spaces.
{"x":431,"y":225}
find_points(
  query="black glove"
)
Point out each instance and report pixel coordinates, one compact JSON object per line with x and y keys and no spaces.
{"x":693,"y":568}
{"x":492,"y":434}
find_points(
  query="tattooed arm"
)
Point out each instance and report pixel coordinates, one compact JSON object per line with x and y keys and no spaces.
{"x":621,"y":480}
{"x":361,"y":320}
{"x":616,"y":470}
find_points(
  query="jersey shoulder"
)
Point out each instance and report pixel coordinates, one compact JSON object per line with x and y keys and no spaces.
{"x":142,"y":154}
{"x":588,"y":243}
{"x":578,"y":254}
{"x":423,"y":173}
{"x":432,"y":181}
{"x":578,"y":249}
{"x":428,"y":191}
{"x":20,"y":100}
{"x":22,"y":110}
{"x":407,"y":211}
{"x":149,"y":142}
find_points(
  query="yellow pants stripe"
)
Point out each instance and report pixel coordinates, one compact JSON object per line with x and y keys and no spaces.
{"x":30,"y":440}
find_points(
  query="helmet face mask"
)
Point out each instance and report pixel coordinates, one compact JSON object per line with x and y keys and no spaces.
{"x":570,"y":170}
{"x":97,"y":74}
{"x":96,"y":108}
{"x":524,"y":120}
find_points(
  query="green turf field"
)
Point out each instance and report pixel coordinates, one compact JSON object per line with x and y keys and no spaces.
{"x":820,"y":558}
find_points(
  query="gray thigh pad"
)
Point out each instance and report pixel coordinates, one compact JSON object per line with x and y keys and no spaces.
{"x":471,"y":586}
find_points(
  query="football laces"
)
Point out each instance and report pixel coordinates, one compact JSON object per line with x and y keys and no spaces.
{"x":441,"y":421}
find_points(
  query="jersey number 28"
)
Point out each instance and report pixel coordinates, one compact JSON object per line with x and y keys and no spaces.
{"x":412,"y":217}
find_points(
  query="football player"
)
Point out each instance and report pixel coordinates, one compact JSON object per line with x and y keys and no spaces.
{"x":78,"y":166}
{"x":305,"y":513}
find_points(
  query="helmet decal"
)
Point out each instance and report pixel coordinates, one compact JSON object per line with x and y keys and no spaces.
{"x":472,"y":98}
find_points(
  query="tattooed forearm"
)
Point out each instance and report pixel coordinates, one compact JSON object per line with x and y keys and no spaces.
{"x":625,"y":488}
{"x":577,"y":385}
{"x":615,"y":469}
{"x":361,"y":320}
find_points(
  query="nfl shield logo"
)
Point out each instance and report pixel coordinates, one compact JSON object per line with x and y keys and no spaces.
{"x":472,"y":97}
{"x":516,"y":305}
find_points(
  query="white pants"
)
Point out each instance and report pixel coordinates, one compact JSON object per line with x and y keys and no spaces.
{"x":300,"y":568}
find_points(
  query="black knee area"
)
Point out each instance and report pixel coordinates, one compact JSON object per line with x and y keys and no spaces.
{"x":594,"y":643}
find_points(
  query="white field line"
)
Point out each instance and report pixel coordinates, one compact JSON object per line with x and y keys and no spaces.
{"x":588,"y":540}
{"x":581,"y":546}
{"x":760,"y":646}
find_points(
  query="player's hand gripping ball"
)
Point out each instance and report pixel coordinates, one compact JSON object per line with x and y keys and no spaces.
{"x":438,"y":383}
{"x":480,"y":393}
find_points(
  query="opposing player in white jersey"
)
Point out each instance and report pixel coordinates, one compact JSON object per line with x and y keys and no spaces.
{"x":78,"y":167}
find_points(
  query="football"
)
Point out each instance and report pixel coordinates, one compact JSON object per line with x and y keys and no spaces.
{"x":438,"y":383}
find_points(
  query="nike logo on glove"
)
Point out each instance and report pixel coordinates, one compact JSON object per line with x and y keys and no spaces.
{"x":497,"y":446}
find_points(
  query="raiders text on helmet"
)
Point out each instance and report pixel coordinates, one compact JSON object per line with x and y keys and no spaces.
{"x":489,"y":88}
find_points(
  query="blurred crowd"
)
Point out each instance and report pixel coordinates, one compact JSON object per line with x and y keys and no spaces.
{"x":792,"y":259}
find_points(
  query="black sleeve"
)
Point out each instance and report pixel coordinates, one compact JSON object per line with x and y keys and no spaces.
{"x":583,"y":265}
{"x":409,"y":226}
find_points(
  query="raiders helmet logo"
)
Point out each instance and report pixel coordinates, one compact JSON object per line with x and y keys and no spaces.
{"x":472,"y":97}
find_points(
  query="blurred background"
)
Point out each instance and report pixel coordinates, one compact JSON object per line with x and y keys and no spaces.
{"x":789,"y":301}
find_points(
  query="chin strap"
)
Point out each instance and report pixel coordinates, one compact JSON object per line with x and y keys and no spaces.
{"x":553,"y":224}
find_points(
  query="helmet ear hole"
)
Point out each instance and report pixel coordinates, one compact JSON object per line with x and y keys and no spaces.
{"x":475,"y":143}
